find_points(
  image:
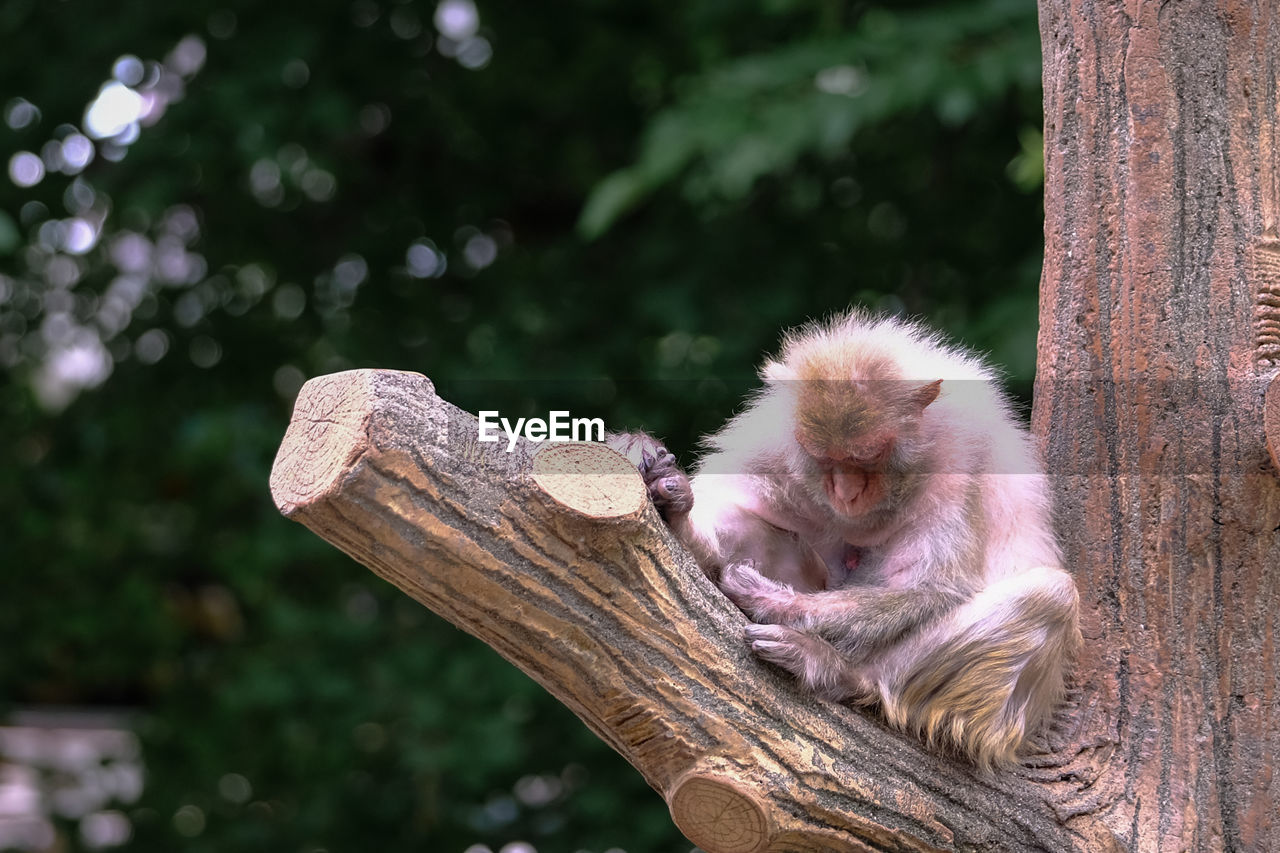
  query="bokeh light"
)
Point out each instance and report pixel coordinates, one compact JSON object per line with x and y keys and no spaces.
{"x":26,"y":169}
{"x":77,"y":153}
{"x":20,"y":113}
{"x":458,"y":23}
{"x":457,"y":19}
{"x":129,"y":70}
{"x":424,"y":260}
{"x":113,"y":111}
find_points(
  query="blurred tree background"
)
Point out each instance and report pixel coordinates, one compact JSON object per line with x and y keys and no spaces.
{"x":606,"y":207}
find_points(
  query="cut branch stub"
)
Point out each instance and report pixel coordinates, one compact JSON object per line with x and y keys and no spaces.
{"x":325,"y":438}
{"x":589,"y":479}
{"x":556,"y":558}
{"x":716,"y":814}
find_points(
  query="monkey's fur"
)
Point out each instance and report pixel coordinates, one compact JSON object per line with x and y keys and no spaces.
{"x":879,"y":514}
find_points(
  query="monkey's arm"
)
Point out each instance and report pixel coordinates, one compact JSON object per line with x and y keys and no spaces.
{"x":668,"y":486}
{"x":856,"y":619}
{"x":714,"y":518}
{"x":724,"y":529}
{"x":920,"y":575}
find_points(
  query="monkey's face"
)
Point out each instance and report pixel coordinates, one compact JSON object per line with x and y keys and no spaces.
{"x":857,"y":437}
{"x":854,"y":481}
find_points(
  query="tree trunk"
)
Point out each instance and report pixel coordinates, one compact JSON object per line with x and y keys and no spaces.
{"x":1160,"y":327}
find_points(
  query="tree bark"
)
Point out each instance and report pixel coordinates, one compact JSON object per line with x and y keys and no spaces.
{"x":558,"y":560}
{"x":1160,"y":328}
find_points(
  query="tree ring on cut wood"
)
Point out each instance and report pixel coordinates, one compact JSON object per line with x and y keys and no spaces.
{"x":326,"y":434}
{"x":718,"y":816}
{"x":590,"y":479}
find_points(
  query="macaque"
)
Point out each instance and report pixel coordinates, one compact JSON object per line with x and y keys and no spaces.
{"x":883,"y":520}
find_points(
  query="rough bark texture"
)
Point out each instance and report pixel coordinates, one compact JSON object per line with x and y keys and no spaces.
{"x":558,"y":560}
{"x":1160,"y":329}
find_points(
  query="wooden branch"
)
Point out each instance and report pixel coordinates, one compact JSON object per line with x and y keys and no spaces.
{"x":556,"y":558}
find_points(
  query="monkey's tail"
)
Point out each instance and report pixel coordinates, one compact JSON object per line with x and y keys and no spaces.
{"x":993,"y":671}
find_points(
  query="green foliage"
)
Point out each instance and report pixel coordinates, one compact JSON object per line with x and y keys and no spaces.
{"x":744,"y":119}
{"x":10,"y":239}
{"x":332,"y":189}
{"x":1026,"y":169}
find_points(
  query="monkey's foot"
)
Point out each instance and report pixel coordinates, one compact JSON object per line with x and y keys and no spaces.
{"x":761,"y":598}
{"x":815,"y":662}
{"x":668,"y":486}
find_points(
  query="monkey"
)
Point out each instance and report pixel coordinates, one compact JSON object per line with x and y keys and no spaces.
{"x":883,"y":520}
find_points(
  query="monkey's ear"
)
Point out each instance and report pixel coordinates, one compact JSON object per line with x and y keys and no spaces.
{"x":776,"y":371}
{"x":926,"y":394}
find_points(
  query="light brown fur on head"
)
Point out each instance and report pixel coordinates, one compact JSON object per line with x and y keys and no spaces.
{"x":859,"y":419}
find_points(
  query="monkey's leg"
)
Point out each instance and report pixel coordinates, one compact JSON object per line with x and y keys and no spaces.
{"x":859,"y":620}
{"x":818,"y":665}
{"x":668,"y":485}
{"x":984,"y":678}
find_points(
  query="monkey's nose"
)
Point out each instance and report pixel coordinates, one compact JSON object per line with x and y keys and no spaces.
{"x":847,"y":484}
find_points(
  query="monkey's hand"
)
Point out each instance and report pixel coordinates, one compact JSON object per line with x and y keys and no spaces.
{"x":762,"y":599}
{"x":818,"y":666}
{"x":668,"y":486}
